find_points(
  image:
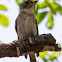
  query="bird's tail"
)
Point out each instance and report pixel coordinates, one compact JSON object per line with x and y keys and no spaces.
{"x":32,"y":57}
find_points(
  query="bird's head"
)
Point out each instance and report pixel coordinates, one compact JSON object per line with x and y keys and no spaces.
{"x":29,"y":5}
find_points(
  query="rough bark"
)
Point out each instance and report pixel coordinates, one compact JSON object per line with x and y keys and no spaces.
{"x":45,"y":42}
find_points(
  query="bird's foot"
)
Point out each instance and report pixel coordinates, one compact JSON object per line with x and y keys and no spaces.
{"x":25,"y":56}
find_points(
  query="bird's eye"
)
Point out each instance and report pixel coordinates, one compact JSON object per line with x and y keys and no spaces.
{"x":27,"y":2}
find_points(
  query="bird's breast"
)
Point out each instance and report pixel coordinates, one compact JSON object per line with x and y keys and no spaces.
{"x":27,"y":26}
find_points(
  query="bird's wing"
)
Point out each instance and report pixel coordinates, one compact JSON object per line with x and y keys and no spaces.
{"x":16,"y":27}
{"x":37,"y":27}
{"x":16,"y":22}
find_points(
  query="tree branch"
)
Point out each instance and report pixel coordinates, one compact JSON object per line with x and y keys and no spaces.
{"x":45,"y":42}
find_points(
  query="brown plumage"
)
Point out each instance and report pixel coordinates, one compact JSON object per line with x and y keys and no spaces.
{"x":26,"y":24}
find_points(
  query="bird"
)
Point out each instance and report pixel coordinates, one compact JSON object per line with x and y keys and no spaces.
{"x":26,"y":24}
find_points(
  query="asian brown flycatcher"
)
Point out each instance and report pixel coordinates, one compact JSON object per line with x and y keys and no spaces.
{"x":26,"y":24}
